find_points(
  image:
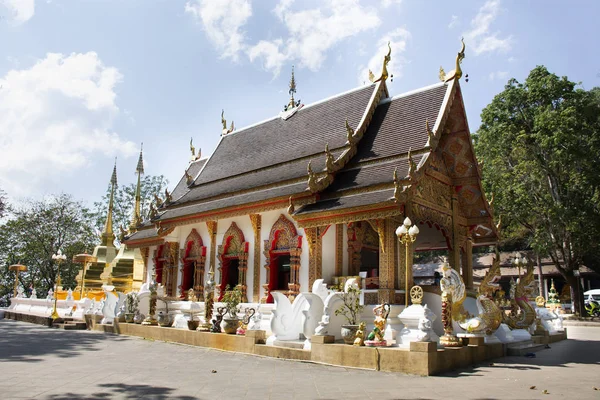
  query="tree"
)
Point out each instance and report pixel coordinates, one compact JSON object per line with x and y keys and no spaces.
{"x":3,"y":204}
{"x":34,"y":232}
{"x":124,"y":202}
{"x":539,"y":141}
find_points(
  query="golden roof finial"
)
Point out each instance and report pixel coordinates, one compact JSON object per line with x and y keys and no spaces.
{"x":412,"y":166}
{"x":291,"y":207}
{"x":329,"y":161}
{"x":291,"y":91}
{"x":384,"y":72}
{"x":192,"y":149}
{"x":457,"y":72}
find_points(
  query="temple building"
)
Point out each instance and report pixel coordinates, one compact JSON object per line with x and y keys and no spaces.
{"x":318,"y":192}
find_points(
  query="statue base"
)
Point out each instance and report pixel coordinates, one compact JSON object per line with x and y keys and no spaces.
{"x":376,"y":343}
{"x":150,"y":320}
{"x":449,"y":340}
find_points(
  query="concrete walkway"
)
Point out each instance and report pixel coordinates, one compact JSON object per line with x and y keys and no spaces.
{"x":43,"y":363}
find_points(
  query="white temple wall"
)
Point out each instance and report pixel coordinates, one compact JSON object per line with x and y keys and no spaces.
{"x":328,"y":254}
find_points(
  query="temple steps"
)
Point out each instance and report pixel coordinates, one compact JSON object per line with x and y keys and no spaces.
{"x":524,"y":347}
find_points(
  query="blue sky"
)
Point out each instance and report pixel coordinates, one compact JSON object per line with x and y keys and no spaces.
{"x":83,"y":81}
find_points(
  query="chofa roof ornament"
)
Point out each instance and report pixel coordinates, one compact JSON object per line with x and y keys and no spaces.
{"x":226,"y":130}
{"x":384,"y":72}
{"x":457,"y":72}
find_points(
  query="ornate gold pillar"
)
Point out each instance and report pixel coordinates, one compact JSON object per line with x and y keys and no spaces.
{"x":212,"y":232}
{"x":243,"y":268}
{"x":388,"y":254}
{"x":454,"y":258}
{"x":315,"y":254}
{"x":255,"y":219}
{"x":339,"y":249}
{"x":467,"y":264}
{"x":294,"y":285}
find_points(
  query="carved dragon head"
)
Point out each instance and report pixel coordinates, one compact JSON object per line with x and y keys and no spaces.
{"x":491,"y":280}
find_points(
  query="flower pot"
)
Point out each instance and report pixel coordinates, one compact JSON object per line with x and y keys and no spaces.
{"x":193,"y":325}
{"x":230,"y":325}
{"x":348,"y":333}
{"x":164,"y":320}
{"x":129,"y":317}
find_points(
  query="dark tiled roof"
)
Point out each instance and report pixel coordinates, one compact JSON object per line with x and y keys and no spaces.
{"x":381,"y":196}
{"x":399,"y":124}
{"x":182,"y":186}
{"x":142,"y":234}
{"x":277,"y":141}
{"x":241,"y":199}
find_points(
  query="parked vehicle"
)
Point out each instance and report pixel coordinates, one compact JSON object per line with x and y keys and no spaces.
{"x":592,"y":302}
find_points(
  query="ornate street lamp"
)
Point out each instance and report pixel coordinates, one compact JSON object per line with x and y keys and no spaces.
{"x":407,"y":234}
{"x":519,"y":262}
{"x":59,"y":257}
{"x":86,"y":260}
{"x":17,"y":268}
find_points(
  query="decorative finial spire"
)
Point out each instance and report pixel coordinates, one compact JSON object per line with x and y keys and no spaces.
{"x":457,"y":72}
{"x":108,"y":237}
{"x":384,"y":72}
{"x":137,"y":218}
{"x":293,"y":103}
{"x":224,"y":122}
{"x":140,"y":165}
{"x":192,"y":149}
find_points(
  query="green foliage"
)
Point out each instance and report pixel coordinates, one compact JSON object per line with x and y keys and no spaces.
{"x":232,"y":299}
{"x":36,"y":230}
{"x":2,"y":203}
{"x":540,"y":141}
{"x":351,"y":309}
{"x":124,"y":202}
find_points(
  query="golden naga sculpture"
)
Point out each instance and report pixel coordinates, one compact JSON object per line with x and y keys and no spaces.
{"x":192,"y":149}
{"x":457,"y":72}
{"x":522,"y":314}
{"x":329,"y":160}
{"x":434,"y":139}
{"x":453,"y":295}
{"x":400,"y":194}
{"x":412,"y":166}
{"x":384,"y":72}
{"x":291,"y":207}
{"x":490,"y":315}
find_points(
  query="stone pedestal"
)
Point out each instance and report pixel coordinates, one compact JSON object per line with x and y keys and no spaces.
{"x":521,"y":335}
{"x":505,"y":334}
{"x":416,"y":327}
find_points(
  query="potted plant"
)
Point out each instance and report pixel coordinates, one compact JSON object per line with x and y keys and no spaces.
{"x":131,"y":306}
{"x":351,"y":309}
{"x":164,"y":319}
{"x":232,"y":299}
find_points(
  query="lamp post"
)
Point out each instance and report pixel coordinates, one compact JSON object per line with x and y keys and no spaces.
{"x":407,"y":234}
{"x":86,"y":260}
{"x":519,"y":262}
{"x":59,"y":257}
{"x":17,"y":268}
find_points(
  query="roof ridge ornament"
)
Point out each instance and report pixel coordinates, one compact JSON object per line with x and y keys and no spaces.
{"x":329,"y":160}
{"x":400,"y":194}
{"x":293,"y":106}
{"x":433,"y":138}
{"x":384,"y":72}
{"x":456,"y":73}
{"x":412,"y":166}
{"x":291,"y":207}
{"x":226,"y":130}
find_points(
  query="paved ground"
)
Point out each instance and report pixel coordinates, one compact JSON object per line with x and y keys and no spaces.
{"x":42,"y":363}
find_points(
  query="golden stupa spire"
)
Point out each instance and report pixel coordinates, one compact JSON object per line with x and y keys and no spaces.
{"x":137,"y":219}
{"x":108,"y":236}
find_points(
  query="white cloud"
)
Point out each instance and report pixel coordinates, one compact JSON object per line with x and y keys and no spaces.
{"x":398,"y":39}
{"x":54,"y":116}
{"x":222,"y":20}
{"x":453,"y":22}
{"x":500,"y":75}
{"x":19,"y":10}
{"x":479,"y":37}
{"x":387,"y":3}
{"x":312,"y":32}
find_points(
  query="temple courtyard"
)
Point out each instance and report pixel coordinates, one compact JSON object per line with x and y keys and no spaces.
{"x":42,"y":363}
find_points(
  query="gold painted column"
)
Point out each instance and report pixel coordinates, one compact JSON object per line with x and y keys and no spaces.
{"x":315,"y":254}
{"x":255,"y":219}
{"x":467,"y":264}
{"x":388,"y":258}
{"x":454,"y":258}
{"x":212,"y":232}
{"x":339,"y":249}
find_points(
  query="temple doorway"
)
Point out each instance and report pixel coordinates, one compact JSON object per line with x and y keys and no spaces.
{"x":233,"y":256}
